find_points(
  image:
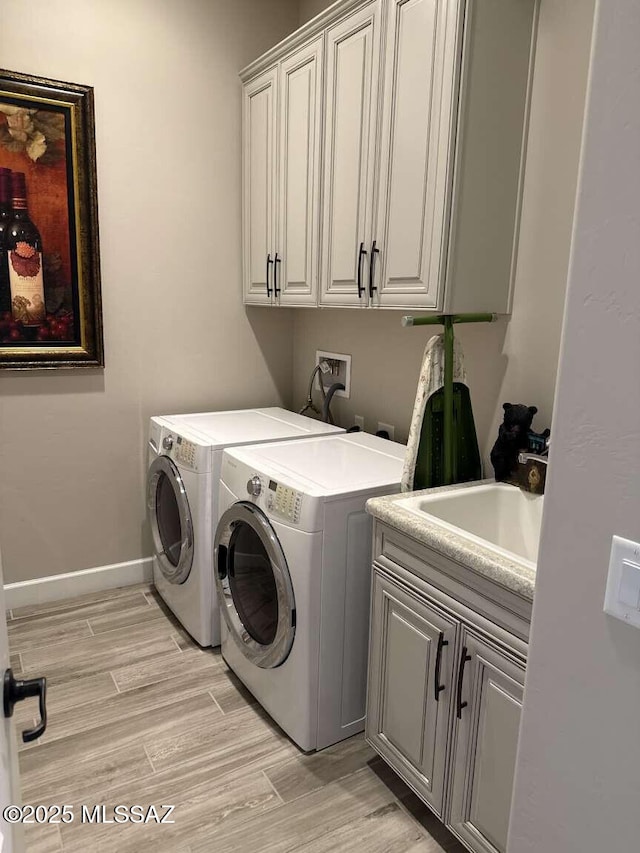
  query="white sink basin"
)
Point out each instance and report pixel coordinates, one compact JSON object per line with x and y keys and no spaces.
{"x":499,"y":517}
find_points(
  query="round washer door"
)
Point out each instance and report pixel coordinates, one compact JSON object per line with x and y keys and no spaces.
{"x":254,"y":586}
{"x":170,"y":518}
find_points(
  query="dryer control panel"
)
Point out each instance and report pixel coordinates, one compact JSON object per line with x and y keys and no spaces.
{"x":284,"y":501}
{"x":185,"y":452}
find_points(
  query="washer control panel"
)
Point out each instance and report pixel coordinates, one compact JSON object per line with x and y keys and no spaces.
{"x":185,"y":452}
{"x":283,"y":501}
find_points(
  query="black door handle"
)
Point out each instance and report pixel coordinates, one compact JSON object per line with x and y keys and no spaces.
{"x":361,"y":254}
{"x":269,"y":262}
{"x":372,"y":267}
{"x":460,"y":704}
{"x":439,"y":687}
{"x":16,"y":690}
{"x":276,"y":289}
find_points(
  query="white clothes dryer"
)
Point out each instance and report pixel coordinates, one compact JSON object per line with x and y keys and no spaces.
{"x":293,"y":573}
{"x":185,"y":456}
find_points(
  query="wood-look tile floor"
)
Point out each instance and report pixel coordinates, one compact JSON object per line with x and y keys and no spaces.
{"x":139,"y":714}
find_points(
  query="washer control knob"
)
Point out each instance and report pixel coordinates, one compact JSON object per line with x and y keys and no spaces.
{"x":167,"y":442}
{"x":254,"y":486}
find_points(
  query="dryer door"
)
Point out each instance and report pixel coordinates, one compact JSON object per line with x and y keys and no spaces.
{"x":254,"y":586}
{"x":170,"y":519}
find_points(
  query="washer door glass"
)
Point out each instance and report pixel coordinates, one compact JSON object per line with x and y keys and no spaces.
{"x":170,"y":519}
{"x":254,"y":585}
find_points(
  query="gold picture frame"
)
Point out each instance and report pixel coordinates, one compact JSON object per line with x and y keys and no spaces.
{"x":47,"y":133}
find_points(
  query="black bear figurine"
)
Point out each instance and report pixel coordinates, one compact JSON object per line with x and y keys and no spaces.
{"x":512,"y":438}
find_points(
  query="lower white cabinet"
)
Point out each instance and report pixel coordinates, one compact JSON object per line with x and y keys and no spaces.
{"x":485,"y":742}
{"x":443,"y":706}
{"x":409,"y":687}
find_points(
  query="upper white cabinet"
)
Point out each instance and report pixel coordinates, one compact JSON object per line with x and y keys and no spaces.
{"x":353,"y":60}
{"x":417,"y":107}
{"x":297,"y":245}
{"x":282,"y":123}
{"x":402,"y":131}
{"x":259,"y":184}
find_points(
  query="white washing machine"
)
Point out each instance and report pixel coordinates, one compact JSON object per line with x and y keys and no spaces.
{"x":293,"y":573}
{"x":185,"y":456}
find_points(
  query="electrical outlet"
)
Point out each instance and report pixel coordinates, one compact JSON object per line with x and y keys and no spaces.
{"x":358,"y":420}
{"x":388,"y":428}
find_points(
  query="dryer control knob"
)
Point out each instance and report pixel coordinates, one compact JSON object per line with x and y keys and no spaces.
{"x":167,"y":442}
{"x":254,"y":486}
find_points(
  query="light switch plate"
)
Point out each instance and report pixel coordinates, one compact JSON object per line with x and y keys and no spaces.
{"x":622,"y":598}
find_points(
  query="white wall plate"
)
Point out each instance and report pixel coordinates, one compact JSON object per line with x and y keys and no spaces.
{"x":343,"y":375}
{"x":622,"y":598}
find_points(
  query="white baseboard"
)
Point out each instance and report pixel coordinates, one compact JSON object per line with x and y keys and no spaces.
{"x":72,"y":584}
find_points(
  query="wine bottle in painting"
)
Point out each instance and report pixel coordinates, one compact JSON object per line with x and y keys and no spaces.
{"x":23,"y":246}
{"x":5,"y":219}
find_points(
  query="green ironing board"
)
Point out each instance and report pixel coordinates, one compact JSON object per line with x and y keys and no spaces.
{"x":430,"y":461}
{"x":448,"y":448}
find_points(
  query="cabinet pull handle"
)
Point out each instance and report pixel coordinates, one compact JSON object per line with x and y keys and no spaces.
{"x":439,"y":687}
{"x":276,"y":289}
{"x":372,"y":267}
{"x":362,"y":254}
{"x":460,"y":704}
{"x":269,"y":262}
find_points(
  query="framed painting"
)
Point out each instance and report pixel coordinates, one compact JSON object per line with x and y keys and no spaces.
{"x":50,"y":304}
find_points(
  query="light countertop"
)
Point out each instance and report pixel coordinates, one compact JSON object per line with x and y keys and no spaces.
{"x":500,"y":569}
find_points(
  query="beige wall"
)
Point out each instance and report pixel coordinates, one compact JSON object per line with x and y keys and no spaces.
{"x":177,"y":337}
{"x":310,"y":8}
{"x":514,"y":362}
{"x":176,"y":334}
{"x":577,"y":781}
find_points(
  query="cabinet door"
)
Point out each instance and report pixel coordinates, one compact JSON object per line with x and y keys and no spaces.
{"x":353,"y":57}
{"x":485,"y":745}
{"x":413,"y":175}
{"x":299,"y":176}
{"x":411,"y":654}
{"x":260,"y":104}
